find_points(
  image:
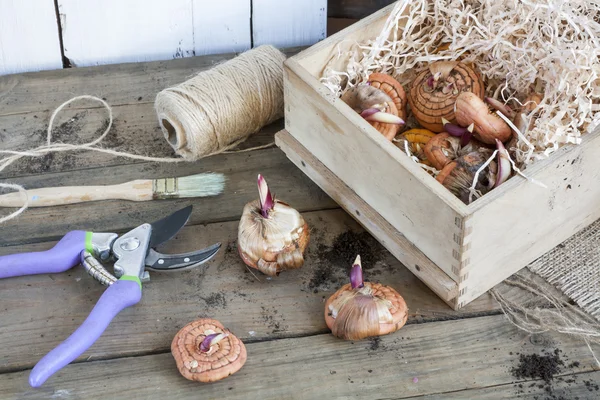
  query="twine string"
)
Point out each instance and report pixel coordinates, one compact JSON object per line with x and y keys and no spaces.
{"x":211,"y":113}
{"x":219,"y":108}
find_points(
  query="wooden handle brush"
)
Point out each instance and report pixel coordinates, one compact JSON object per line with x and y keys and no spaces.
{"x":199,"y":185}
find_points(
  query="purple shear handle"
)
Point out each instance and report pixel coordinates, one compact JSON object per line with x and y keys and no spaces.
{"x":121,"y":294}
{"x":63,"y":256}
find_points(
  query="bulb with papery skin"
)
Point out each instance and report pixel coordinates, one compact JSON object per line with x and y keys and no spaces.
{"x":458,"y":175}
{"x":360,"y":309}
{"x":470,"y":109}
{"x":272,"y":236}
{"x":381,"y":101}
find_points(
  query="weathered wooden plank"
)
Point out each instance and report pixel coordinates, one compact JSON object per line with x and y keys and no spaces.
{"x":40,"y":311}
{"x":128,"y":83}
{"x":289,"y":22}
{"x":159,"y":31}
{"x":240,"y":169}
{"x":28,"y":37}
{"x":581,"y":386}
{"x":355,"y":8}
{"x":135,"y":130}
{"x":443,"y":356}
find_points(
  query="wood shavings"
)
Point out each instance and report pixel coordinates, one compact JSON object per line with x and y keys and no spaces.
{"x":548,"y":46}
{"x":472,"y":190}
{"x":431,"y":170}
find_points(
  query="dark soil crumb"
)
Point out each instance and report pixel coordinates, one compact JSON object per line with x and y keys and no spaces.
{"x":547,"y":367}
{"x":375,"y":343}
{"x":337,"y":259}
{"x":348,"y":244}
{"x":215,"y":300}
{"x":537,"y":366}
{"x":592,"y":386}
{"x":273,"y":320}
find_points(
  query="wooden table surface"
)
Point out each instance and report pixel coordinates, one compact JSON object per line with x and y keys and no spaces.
{"x":440,"y":353}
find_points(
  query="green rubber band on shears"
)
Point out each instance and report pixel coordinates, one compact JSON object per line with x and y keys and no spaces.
{"x":88,"y":242}
{"x":131,"y":278}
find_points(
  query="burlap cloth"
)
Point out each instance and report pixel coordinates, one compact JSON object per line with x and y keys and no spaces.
{"x":574,"y":268}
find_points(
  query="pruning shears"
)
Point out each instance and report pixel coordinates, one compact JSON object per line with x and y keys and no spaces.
{"x":132,"y":254}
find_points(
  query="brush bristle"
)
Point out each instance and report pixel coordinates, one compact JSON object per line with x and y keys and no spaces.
{"x":199,"y":185}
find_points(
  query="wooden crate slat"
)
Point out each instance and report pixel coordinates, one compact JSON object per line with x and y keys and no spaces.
{"x":476,"y":245}
{"x":392,"y":239}
{"x":380,"y":173}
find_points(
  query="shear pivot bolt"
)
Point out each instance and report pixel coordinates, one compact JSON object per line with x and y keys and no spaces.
{"x":130,"y":244}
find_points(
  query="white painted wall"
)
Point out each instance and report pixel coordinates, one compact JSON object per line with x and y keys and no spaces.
{"x":29,"y":38}
{"x":116,"y":31}
{"x":96,"y":32}
{"x":221,"y":26}
{"x":289,"y":22}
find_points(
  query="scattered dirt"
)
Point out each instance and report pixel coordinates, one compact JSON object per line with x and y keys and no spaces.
{"x":335,"y":261}
{"x":273,"y":319}
{"x":548,"y":367}
{"x":67,"y":131}
{"x":375,"y":343}
{"x":537,"y":366}
{"x":215,"y":300}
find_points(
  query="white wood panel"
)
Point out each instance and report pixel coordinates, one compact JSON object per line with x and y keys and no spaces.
{"x":114,"y":31}
{"x":221,"y":26}
{"x":29,"y":39}
{"x":289,"y":22}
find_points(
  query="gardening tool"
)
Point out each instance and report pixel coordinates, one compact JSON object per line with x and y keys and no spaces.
{"x":132,"y":254}
{"x":198,"y":185}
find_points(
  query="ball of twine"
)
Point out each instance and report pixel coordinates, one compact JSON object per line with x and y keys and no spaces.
{"x":221,"y":107}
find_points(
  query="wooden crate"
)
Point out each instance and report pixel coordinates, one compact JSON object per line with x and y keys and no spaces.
{"x":460,"y":251}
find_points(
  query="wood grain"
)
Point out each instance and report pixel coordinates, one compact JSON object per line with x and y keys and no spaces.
{"x":240,"y":170}
{"x":533,"y":219}
{"x":580,"y":386}
{"x":40,"y":311}
{"x":119,"y":84}
{"x":137,"y":190}
{"x":289,"y":22}
{"x":28,"y":37}
{"x":443,"y":356}
{"x":135,"y":130}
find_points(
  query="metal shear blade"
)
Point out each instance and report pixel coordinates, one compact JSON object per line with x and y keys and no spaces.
{"x":164,"y":229}
{"x":169,"y":262}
